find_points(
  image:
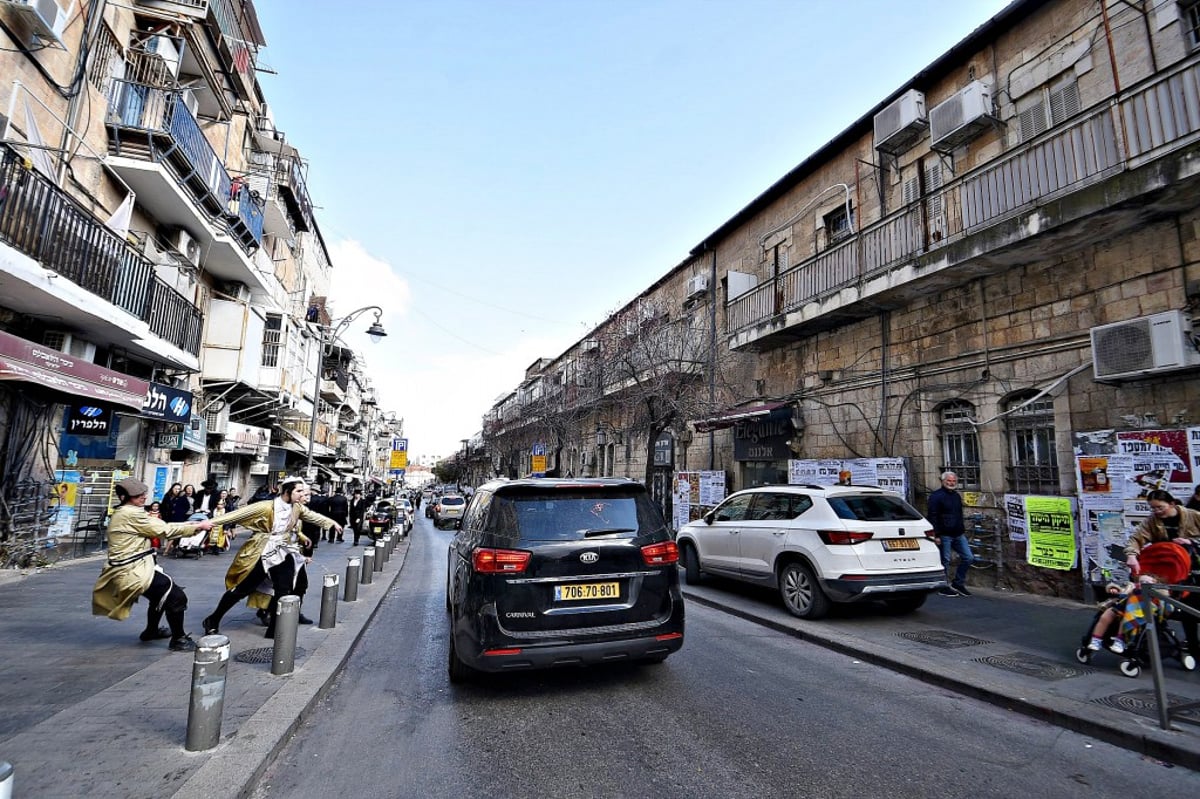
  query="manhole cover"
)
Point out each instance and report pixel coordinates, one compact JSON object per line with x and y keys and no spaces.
{"x":262,"y":655}
{"x":943,"y":639}
{"x":1034,"y":666}
{"x":1145,"y":703}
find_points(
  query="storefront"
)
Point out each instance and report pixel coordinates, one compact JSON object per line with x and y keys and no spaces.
{"x":762,"y":438}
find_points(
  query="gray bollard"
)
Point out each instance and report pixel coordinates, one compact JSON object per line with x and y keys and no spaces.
{"x":368,"y":567}
{"x":350,"y":592}
{"x":380,"y":555}
{"x":329,"y":603}
{"x":6,"y":780}
{"x":387,"y":547}
{"x":209,"y":668}
{"x":287,"y":621}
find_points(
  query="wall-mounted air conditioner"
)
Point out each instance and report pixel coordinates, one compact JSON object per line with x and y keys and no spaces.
{"x":45,"y":19}
{"x":1148,"y":345}
{"x":71,"y":344}
{"x":900,"y":124}
{"x":191,"y":102}
{"x":696,"y":284}
{"x":236,"y":290}
{"x":960,"y":118}
{"x":218,"y":421}
{"x":185,"y":245}
{"x":167,"y":49}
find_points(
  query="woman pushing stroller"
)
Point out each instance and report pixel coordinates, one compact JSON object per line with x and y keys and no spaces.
{"x":1169,"y":520}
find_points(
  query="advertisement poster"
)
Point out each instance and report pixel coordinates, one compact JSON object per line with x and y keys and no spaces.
{"x":712,"y":488}
{"x":886,"y":473}
{"x":1051,"y":532}
{"x":695,"y":492}
{"x":1102,"y":536}
{"x":64,"y":502}
{"x":1161,"y":459}
{"x":1014,"y":511}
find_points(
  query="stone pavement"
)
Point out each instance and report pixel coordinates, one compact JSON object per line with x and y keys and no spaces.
{"x":87,"y":710}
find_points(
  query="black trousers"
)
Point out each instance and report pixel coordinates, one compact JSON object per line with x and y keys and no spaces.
{"x":165,"y":597}
{"x":285,"y":581}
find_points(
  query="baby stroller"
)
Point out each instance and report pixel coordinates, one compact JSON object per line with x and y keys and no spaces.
{"x":1172,"y":563}
{"x":192,"y":546}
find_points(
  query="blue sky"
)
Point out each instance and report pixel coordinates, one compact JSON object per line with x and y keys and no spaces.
{"x":499,"y":175}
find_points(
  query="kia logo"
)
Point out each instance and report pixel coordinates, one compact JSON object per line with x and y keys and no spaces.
{"x":180,"y":406}
{"x":589,"y":557}
{"x":90,"y":411}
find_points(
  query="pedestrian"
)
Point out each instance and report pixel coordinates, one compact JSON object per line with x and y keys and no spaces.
{"x":206,"y":498}
{"x":1168,"y":520}
{"x":131,"y":571}
{"x":337,"y":507}
{"x":218,"y":540}
{"x":1193,"y":502}
{"x":174,"y":504}
{"x":264,"y":491}
{"x":358,"y":513}
{"x":273,"y":552}
{"x":317,"y":503}
{"x":945,"y":513}
{"x":189,"y":491}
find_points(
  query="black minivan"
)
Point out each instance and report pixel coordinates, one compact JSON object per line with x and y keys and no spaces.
{"x":560,"y":572}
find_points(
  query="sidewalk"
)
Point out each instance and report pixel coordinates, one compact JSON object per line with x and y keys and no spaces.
{"x":85,"y":709}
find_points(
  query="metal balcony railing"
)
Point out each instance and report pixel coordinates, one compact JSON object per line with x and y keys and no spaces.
{"x":42,"y":221}
{"x":1155,"y":117}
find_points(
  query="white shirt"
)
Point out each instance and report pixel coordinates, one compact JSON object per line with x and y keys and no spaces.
{"x":279,"y":548}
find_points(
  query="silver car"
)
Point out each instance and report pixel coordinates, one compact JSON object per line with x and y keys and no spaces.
{"x":448,"y":510}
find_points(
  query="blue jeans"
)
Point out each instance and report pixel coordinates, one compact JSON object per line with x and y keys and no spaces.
{"x":957,"y":543}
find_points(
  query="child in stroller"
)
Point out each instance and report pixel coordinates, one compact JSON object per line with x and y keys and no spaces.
{"x":192,"y":546}
{"x":1121,"y":620}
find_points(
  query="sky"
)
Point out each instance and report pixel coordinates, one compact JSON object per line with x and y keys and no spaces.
{"x":500,"y":175}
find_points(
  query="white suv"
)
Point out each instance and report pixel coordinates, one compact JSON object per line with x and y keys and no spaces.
{"x":817,"y":545}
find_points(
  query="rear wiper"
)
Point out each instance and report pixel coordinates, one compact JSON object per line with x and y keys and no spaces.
{"x":607,"y":531}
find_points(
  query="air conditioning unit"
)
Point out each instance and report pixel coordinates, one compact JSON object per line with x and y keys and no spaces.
{"x":190,"y":102}
{"x":71,"y":344}
{"x":165,"y":48}
{"x":959,"y":119}
{"x":217,"y":421}
{"x":899,"y":125}
{"x":236,"y":290}
{"x":46,"y":19}
{"x":697,"y":284}
{"x":1148,"y":345}
{"x":186,"y":246}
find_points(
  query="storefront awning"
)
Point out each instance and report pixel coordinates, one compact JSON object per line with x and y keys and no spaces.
{"x":734,"y":415}
{"x":24,"y":360}
{"x":294,"y":442}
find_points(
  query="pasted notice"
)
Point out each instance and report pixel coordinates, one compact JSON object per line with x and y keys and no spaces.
{"x":1051,"y":532}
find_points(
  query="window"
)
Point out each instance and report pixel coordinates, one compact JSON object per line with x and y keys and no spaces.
{"x":1190,"y":13}
{"x":838,"y":223}
{"x":733,"y":510}
{"x":272,"y":336}
{"x":778,"y":507}
{"x":1033,"y":461}
{"x":960,"y":443}
{"x":1047,"y":107}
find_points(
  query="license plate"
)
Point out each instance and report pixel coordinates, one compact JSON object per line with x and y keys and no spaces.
{"x":573,"y":592}
{"x":891,"y":545}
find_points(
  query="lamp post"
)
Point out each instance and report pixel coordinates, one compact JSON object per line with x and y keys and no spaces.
{"x":375,"y":331}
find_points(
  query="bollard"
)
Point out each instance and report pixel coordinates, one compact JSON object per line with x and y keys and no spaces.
{"x":287,"y":620}
{"x":387,"y":547}
{"x":329,"y":603}
{"x":209,"y":668}
{"x":6,"y":780}
{"x":368,"y":567}
{"x":380,"y":556}
{"x":350,"y":592}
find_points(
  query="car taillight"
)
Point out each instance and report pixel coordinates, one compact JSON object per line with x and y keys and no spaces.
{"x":660,"y":554}
{"x":843,"y":537}
{"x":499,"y":561}
{"x":929,"y":534}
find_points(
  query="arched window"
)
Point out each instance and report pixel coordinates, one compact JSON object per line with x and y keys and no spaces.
{"x":960,"y":443}
{"x":1033,"y":460}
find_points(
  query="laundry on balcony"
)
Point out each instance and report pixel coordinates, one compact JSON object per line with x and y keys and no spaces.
{"x":732,"y":416}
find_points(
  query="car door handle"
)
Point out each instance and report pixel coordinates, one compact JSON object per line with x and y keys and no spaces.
{"x":779,"y":532}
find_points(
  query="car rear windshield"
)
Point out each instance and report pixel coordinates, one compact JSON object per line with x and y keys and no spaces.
{"x":573,"y":515}
{"x":873,"y":508}
{"x":453,"y":500}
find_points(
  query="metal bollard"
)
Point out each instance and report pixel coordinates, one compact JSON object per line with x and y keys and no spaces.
{"x":209,"y":668}
{"x":387,"y":547}
{"x":328,"y":603}
{"x":287,"y":620}
{"x":6,"y":780}
{"x":350,"y":592}
{"x":380,"y":555}
{"x":368,"y":567}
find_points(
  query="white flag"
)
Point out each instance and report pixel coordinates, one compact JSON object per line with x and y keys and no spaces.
{"x":119,"y":221}
{"x":38,"y":154}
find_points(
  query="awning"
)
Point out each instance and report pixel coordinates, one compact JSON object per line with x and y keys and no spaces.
{"x":734,"y":415}
{"x":294,"y":442}
{"x":21,"y":359}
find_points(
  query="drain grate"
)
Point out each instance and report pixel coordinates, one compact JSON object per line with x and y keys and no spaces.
{"x":1145,"y":703}
{"x":1034,"y":666}
{"x":943,"y":639}
{"x":262,"y":655}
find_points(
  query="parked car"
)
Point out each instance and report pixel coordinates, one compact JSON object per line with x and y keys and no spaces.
{"x":551,"y":572}
{"x":817,"y":545}
{"x":408,"y":514}
{"x":448,"y":510}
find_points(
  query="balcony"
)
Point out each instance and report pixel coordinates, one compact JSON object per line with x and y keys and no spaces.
{"x":1037,"y":200}
{"x":158,"y":148}
{"x":41,"y":221}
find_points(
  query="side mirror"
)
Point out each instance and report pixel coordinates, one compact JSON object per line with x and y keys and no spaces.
{"x":458,"y":524}
{"x":708,"y":517}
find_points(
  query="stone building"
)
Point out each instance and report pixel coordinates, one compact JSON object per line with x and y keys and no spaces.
{"x":996,"y":258}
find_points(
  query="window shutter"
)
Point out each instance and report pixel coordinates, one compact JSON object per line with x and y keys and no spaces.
{"x":1064,"y":102}
{"x":1032,"y":121}
{"x":912,"y":190}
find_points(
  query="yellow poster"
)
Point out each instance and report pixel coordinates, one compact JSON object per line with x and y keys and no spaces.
{"x":399,"y":459}
{"x":1051,"y":527}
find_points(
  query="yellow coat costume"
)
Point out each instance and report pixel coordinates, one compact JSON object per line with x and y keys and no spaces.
{"x":259,"y":519}
{"x":129,"y":569}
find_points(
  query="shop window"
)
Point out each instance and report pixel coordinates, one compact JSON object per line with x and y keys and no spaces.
{"x":764,"y":473}
{"x":1033,"y":460}
{"x":960,"y":443}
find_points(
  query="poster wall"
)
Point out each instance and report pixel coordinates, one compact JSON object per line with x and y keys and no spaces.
{"x":886,"y":473}
{"x":693,"y":492}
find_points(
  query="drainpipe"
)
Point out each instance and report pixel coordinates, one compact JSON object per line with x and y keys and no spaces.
{"x":712,"y":358}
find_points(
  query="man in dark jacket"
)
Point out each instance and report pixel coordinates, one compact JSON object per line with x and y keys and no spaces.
{"x":317,"y":503}
{"x":337,"y":507}
{"x":358,"y":512}
{"x":945,"y":513}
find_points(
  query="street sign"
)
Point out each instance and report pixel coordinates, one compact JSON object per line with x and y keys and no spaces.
{"x":538,"y":460}
{"x":400,"y":444}
{"x":399,"y":459}
{"x":169,"y":440}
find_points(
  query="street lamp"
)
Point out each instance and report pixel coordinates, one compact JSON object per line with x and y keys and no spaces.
{"x":376,"y":334}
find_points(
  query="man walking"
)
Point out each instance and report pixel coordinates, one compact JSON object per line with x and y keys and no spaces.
{"x":358,"y":513}
{"x":945,"y":512}
{"x":337,"y":508}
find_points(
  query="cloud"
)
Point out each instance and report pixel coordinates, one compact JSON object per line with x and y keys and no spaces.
{"x":360,"y":279}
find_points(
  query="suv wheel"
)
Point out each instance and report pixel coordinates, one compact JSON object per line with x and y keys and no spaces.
{"x":691,"y":565}
{"x":802,"y":595}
